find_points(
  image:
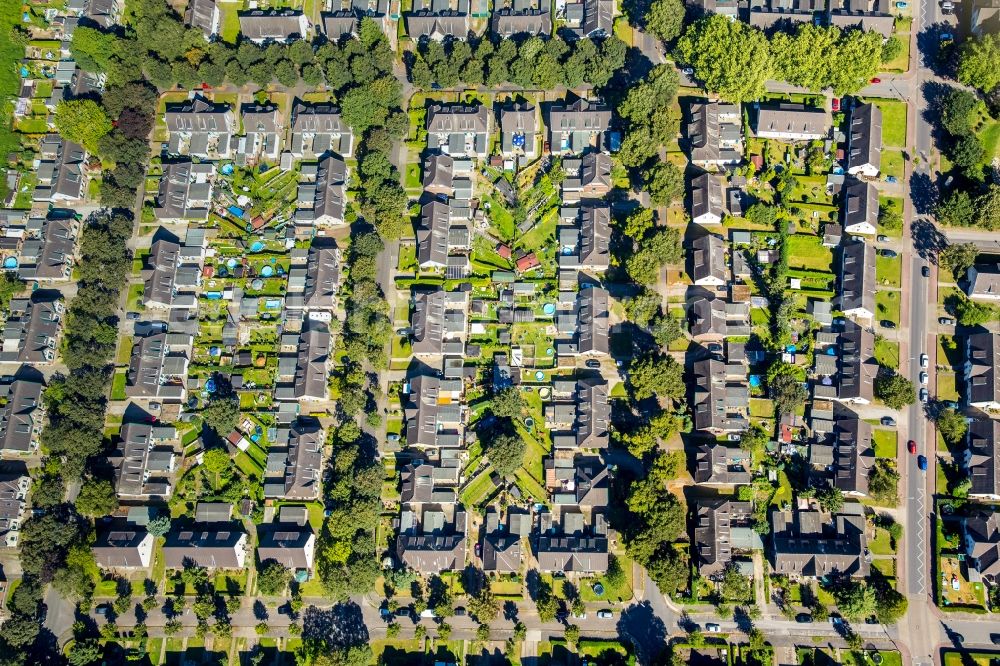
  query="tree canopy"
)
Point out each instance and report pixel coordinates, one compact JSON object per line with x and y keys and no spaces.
{"x":506,"y":453}
{"x":730,"y":57}
{"x":979,"y":62}
{"x":895,"y":390}
{"x":82,"y":121}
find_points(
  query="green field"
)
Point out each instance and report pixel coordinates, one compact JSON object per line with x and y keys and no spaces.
{"x":887,"y":353}
{"x":893,"y":122}
{"x":888,"y":271}
{"x":885,"y":443}
{"x":807,"y":251}
{"x":892,"y":163}
{"x":887,"y":306}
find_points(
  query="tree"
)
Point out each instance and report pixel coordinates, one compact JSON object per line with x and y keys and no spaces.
{"x":82,"y":121}
{"x":957,"y":210}
{"x":506,"y":453}
{"x":959,"y":257}
{"x":615,"y":575}
{"x":891,"y":49}
{"x":855,"y":600}
{"x":273,"y":578}
{"x":159,"y":526}
{"x":547,"y":606}
{"x":665,"y":19}
{"x":666,"y":328}
{"x":572,"y":634}
{"x":732,"y":58}
{"x":97,"y":498}
{"x":895,"y":390}
{"x":664,"y":182}
{"x":221,"y":415}
{"x":957,"y":108}
{"x":444,"y":631}
{"x":507,"y":402}
{"x":656,"y":375}
{"x":952,"y":426}
{"x":830,"y":498}
{"x":970,"y":313}
{"x":84,"y":652}
{"x":890,"y":605}
{"x":735,"y":586}
{"x":979,"y":62}
{"x":988,"y":207}
{"x":883,"y":482}
{"x":638,"y":223}
{"x":786,"y":387}
{"x":762,"y":214}
{"x":968,"y":154}
{"x":890,"y":217}
{"x":484,"y":606}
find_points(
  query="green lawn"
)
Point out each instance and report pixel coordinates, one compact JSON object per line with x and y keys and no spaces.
{"x":887,"y":353}
{"x":478,"y":489}
{"x":893,"y":122}
{"x":948,"y":351}
{"x":900,"y":63}
{"x":807,"y":251}
{"x":888,"y":271}
{"x":229,"y":23}
{"x":887,"y":306}
{"x":990,"y":136}
{"x":885,"y":443}
{"x":947,"y":386}
{"x":118,"y":385}
{"x":892,"y":163}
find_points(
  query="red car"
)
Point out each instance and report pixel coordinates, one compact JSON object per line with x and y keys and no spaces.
{"x":876,"y":80}
{"x":836,"y":104}
{"x":911,"y":446}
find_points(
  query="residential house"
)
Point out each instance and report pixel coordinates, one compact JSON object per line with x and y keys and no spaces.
{"x":589,"y":18}
{"x":853,"y":453}
{"x":433,"y":411}
{"x":518,"y":121}
{"x":345,"y":17}
{"x":863,"y":15}
{"x":711,"y":320}
{"x":432,"y":537}
{"x":719,"y":465}
{"x":142,"y":469}
{"x":856,"y":367}
{"x":984,"y":283}
{"x":521,"y":17}
{"x":294,"y":468}
{"x":584,"y":243}
{"x":443,"y":229}
{"x":587,"y":177}
{"x":318,"y":129}
{"x":982,"y":381}
{"x":592,"y":322}
{"x":715,"y":134}
{"x":864,"y":141}
{"x":809,"y":543}
{"x":707,"y":199}
{"x":985,"y":18}
{"x":501,"y":546}
{"x":769,"y":14}
{"x":439,"y":317}
{"x":31,"y":332}
{"x":459,"y":129}
{"x":318,"y":279}
{"x":158,"y":367}
{"x":722,"y":527}
{"x":200,"y":128}
{"x":48,"y":250}
{"x":438,"y":20}
{"x":264,"y":26}
{"x":170,"y":282}
{"x":982,"y":545}
{"x":434,"y":480}
{"x":708,"y":261}
{"x":860,"y":207}
{"x":792,"y":122}
{"x":583,"y":422}
{"x":578,"y":127}
{"x":203,"y":15}
{"x":62,"y":175}
{"x":573,"y":538}
{"x":720,"y":396}
{"x":263,"y":129}
{"x":323,"y":201}
{"x":289,"y":541}
{"x":727,"y":8}
{"x":981,"y":459}
{"x":215,"y":544}
{"x":857,"y":280}
{"x":21,"y":416}
{"x":185,"y":192}
{"x":304,"y":377}
{"x":446,"y":176}
{"x":15,"y":484}
{"x":104,"y":13}
{"x":123,"y":546}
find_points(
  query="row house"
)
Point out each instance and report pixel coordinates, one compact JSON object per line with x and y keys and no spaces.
{"x":459,"y":129}
{"x":439,"y":317}
{"x":853,"y":453}
{"x":584,"y":236}
{"x":62,"y":174}
{"x":981,"y":459}
{"x":845,"y":363}
{"x":322,"y":194}
{"x":290,"y":541}
{"x":314,"y":278}
{"x":185,"y":191}
{"x":857,"y":280}
{"x":263,"y":129}
{"x":810,"y":543}
{"x":578,"y":127}
{"x":143,"y":462}
{"x":32,"y":330}
{"x":172,"y":277}
{"x":586,"y":177}
{"x":449,"y":177}
{"x":521,"y":17}
{"x":573,"y":536}
{"x":583,"y":330}
{"x":982,"y":381}
{"x":519,"y":131}
{"x":441,"y":19}
{"x":434,"y":412}
{"x":792,"y":122}
{"x":714,"y":319}
{"x":505,"y":531}
{"x":48,"y":249}
{"x":719,"y":465}
{"x":860,"y":207}
{"x":158,"y":367}
{"x":864,"y":141}
{"x":200,"y":128}
{"x":582,"y":421}
{"x":707,"y":199}
{"x":720,"y":396}
{"x":21,"y":415}
{"x":317,"y":129}
{"x":589,"y":18}
{"x":15,"y":484}
{"x":344,"y":17}
{"x":708,"y":261}
{"x":294,"y":467}
{"x":304,"y":376}
{"x":266,"y":26}
{"x":212,"y":540}
{"x":443,"y":232}
{"x":722,"y":529}
{"x":714,"y":133}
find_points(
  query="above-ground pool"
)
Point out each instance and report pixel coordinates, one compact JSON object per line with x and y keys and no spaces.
{"x":754,"y":381}
{"x":267,"y":271}
{"x":10,"y":262}
{"x":257,"y":283}
{"x":549,"y":308}
{"x":231,"y":263}
{"x":227,"y":170}
{"x":257,"y":246}
{"x":539,"y":375}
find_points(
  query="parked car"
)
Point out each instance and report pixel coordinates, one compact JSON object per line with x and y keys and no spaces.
{"x":946,"y":321}
{"x":392,"y":437}
{"x":103,"y":610}
{"x":911,"y":446}
{"x":923,"y":378}
{"x":803,"y":618}
{"x":882,"y":239}
{"x":995,"y":638}
{"x":924,"y":361}
{"x":460,"y":611}
{"x":155,"y":406}
{"x":871,"y":619}
{"x":132,"y":316}
{"x":902,"y":5}
{"x":605,"y":614}
{"x":835,"y":104}
{"x":479,"y":550}
{"x":712,"y":628}
{"x":836,"y":620}
{"x":688,"y":71}
{"x":734,"y":437}
{"x":888,"y":421}
{"x":947,"y":12}
{"x":885,"y":323}
{"x":888,"y":254}
{"x":891,"y":179}
{"x":922,"y":463}
{"x":593,"y":364}
{"x":946,"y":36}
{"x":384,"y":612}
{"x":925,"y":271}
{"x":924,"y":395}
{"x":950,"y":404}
